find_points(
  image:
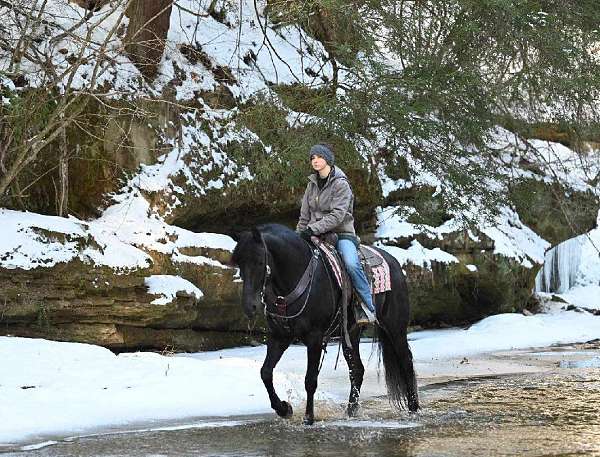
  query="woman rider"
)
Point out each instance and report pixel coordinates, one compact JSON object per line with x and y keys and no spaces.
{"x":327,"y":206}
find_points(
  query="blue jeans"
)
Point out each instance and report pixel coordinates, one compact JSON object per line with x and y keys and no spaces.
{"x":349,"y":253}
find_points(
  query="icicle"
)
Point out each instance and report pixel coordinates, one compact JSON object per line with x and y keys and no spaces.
{"x":561,"y":264}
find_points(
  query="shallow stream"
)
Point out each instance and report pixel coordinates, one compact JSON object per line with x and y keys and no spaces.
{"x":554,"y":413}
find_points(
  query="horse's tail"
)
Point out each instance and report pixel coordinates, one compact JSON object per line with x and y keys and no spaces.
{"x":399,"y":371}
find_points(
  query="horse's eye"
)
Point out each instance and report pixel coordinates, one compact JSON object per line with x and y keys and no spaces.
{"x":240,"y":273}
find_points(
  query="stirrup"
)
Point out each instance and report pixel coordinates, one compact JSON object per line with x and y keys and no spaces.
{"x":364,"y":316}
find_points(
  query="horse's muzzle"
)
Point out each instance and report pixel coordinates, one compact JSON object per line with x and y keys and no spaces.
{"x":251,"y":305}
{"x":250,"y":311}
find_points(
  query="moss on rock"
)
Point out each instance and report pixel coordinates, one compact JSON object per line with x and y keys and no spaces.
{"x":553,"y":212}
{"x":451,"y":294}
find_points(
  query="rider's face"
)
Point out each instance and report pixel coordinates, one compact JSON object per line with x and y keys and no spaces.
{"x":318,"y":163}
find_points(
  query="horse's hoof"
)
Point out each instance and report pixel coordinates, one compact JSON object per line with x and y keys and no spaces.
{"x":308,"y":420}
{"x":413,"y":406}
{"x":352,"y":409}
{"x":286,"y":410}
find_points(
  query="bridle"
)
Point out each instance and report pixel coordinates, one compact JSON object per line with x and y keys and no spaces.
{"x":280,"y":302}
{"x":267,"y":274}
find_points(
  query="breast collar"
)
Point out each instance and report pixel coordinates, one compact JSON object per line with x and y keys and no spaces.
{"x":279,"y":302}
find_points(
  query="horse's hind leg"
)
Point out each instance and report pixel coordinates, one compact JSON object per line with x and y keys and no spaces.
{"x":275,"y":350}
{"x":356,"y":368}
{"x":314,"y":348}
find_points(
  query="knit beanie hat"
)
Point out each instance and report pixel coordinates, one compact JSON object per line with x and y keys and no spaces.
{"x":323,"y":151}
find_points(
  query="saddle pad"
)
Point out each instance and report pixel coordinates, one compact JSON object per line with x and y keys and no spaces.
{"x":380,"y":271}
{"x":334,"y":260}
{"x":379,"y":274}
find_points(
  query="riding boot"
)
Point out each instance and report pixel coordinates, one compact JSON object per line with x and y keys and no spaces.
{"x":364,"y":315}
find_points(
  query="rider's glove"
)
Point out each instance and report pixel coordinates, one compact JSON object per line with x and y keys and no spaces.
{"x":307,"y":233}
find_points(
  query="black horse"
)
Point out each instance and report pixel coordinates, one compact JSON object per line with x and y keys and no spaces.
{"x":272,"y":260}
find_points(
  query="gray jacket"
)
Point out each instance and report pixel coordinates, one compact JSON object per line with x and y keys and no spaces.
{"x":328,"y":209}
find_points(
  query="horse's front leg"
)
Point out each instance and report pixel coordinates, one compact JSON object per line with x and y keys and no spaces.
{"x":314,"y":348}
{"x":275,"y":349}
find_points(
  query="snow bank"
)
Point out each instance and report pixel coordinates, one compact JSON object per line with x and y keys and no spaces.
{"x":51,"y":388}
{"x":134,"y":222}
{"x":120,"y":239}
{"x":583,"y":296}
{"x":167,"y":286}
{"x":291,"y":56}
{"x":418,"y":255}
{"x":243,"y":32}
{"x":29,"y":240}
{"x":57,"y":388}
{"x":511,"y":238}
{"x":505,"y":332}
{"x":515,"y":240}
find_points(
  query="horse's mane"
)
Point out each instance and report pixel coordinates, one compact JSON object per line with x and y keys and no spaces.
{"x":279,"y":231}
{"x":275,"y":231}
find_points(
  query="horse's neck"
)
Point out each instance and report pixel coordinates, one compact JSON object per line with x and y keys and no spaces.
{"x":289,"y":263}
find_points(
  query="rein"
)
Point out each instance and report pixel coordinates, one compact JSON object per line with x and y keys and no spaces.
{"x":282,"y":302}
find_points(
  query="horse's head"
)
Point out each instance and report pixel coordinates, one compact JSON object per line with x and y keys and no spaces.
{"x":250,"y":255}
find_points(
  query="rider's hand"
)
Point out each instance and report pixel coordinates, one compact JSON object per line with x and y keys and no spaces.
{"x":307,"y":233}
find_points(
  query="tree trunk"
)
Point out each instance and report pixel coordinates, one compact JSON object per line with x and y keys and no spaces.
{"x":149,"y":22}
{"x":63,"y":174}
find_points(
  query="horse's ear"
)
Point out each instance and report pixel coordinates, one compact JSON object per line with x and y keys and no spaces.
{"x":256,"y":235}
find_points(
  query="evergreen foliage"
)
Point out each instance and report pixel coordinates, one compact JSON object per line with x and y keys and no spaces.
{"x":434,"y":78}
{"x":424,"y":82}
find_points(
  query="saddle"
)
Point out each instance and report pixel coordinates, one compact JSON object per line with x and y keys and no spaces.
{"x":373,"y":263}
{"x":374,"y":266}
{"x":370,"y":257}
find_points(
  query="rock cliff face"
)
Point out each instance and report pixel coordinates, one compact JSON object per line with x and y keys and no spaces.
{"x":478,"y":284}
{"x":198,"y":151}
{"x":87,"y":302}
{"x":484,"y":278}
{"x":78,"y":301}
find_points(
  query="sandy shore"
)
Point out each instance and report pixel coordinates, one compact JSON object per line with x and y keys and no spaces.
{"x":500,"y":363}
